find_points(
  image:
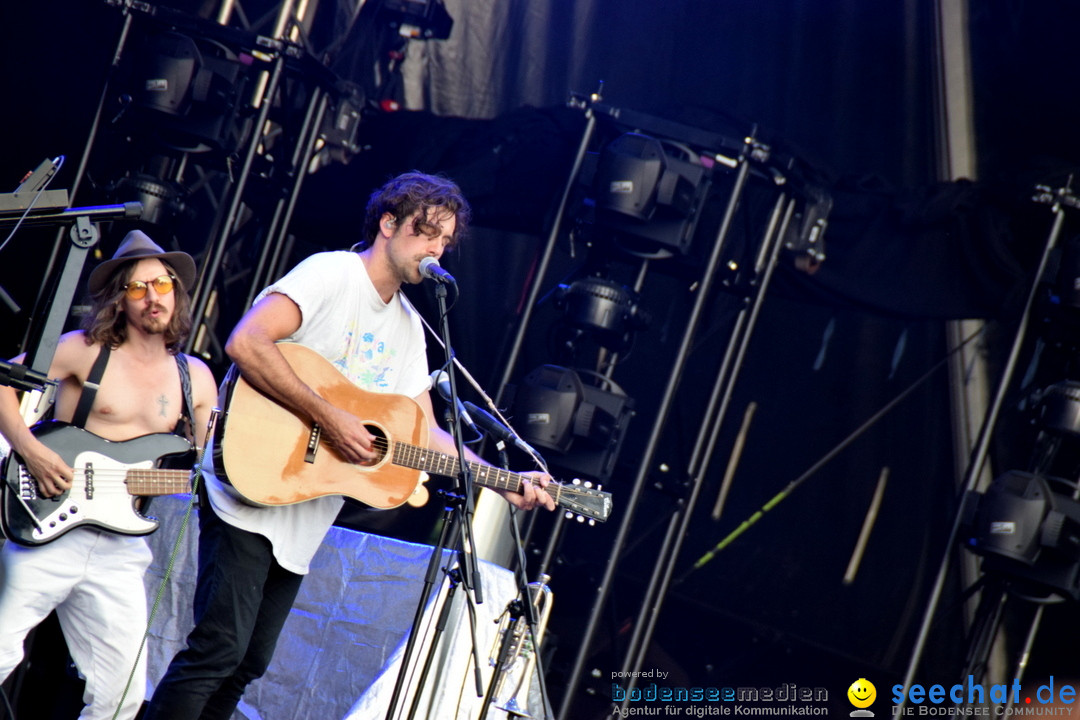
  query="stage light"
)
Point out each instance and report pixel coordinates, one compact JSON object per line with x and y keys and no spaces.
{"x":1029,"y":532}
{"x":337,"y":134}
{"x":648,"y":190}
{"x":163,"y":201}
{"x":185,"y":92}
{"x":583,"y":421}
{"x":603,"y":307}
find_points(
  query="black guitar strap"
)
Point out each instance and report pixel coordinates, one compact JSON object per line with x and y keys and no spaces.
{"x":93,"y":381}
{"x":186,"y":425}
{"x":90,"y":387}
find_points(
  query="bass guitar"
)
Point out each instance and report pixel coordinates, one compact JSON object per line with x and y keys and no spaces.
{"x":271,"y":455}
{"x":109,"y":477}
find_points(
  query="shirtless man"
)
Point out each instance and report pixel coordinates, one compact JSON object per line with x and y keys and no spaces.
{"x":93,"y":578}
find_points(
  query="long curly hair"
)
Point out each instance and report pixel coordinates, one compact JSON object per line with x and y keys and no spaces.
{"x":106,"y":322}
{"x":412,"y":191}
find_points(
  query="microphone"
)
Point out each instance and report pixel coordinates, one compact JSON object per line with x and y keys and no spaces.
{"x":430,"y":268}
{"x":440,"y":380}
{"x":22,"y":377}
{"x":499,"y":431}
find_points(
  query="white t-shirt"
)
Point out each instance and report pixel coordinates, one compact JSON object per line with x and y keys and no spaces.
{"x":378,"y":346}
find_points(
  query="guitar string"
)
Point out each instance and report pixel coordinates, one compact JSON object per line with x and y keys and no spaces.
{"x":104,"y":482}
{"x":382,"y":444}
{"x":554,"y":488}
{"x":105,"y":478}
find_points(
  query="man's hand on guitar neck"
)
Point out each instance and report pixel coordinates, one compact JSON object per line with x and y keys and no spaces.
{"x":532,"y":493}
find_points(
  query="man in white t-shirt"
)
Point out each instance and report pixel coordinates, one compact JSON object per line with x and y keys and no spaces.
{"x":346,"y":306}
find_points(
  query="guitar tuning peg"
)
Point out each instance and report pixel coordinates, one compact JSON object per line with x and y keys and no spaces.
{"x":592,"y":523}
{"x":569,"y":515}
{"x":576,"y":481}
{"x":588,"y":484}
{"x":581,"y":518}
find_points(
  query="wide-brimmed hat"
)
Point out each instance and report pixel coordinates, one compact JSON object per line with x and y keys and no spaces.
{"x":136,"y":246}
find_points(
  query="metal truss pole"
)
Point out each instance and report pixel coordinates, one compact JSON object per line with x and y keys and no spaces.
{"x":216,"y":247}
{"x":549,"y":249}
{"x":230,"y":212}
{"x":268,"y":266}
{"x":704,"y":292}
{"x":714,"y":416}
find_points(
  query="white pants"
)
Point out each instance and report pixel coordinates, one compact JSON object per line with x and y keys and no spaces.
{"x":94,"y":581}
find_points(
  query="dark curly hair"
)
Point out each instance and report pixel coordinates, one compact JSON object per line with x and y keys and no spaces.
{"x":413,"y":191}
{"x":106,"y":324}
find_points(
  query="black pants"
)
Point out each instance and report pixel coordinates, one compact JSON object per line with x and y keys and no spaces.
{"x":242,"y":599}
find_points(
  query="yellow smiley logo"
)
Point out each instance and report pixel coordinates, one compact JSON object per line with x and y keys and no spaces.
{"x":862,"y":693}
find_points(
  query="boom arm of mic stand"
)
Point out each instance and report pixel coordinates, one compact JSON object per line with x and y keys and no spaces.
{"x":128,"y":210}
{"x":536,"y":457}
{"x":22,"y":377}
{"x":528,"y":610}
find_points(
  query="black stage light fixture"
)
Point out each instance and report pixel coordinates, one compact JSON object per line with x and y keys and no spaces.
{"x":605,"y":308}
{"x":1059,"y":409}
{"x":583,"y":422}
{"x":648,"y":190}
{"x":337,"y":134}
{"x":1026,"y":530}
{"x":1026,"y":525}
{"x":163,"y":201}
{"x":545,"y":404}
{"x":185,"y":91}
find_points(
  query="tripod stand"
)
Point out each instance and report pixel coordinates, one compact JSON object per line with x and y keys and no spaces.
{"x":456,"y":528}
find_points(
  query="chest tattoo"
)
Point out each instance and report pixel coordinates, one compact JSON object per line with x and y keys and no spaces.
{"x":164,"y":403}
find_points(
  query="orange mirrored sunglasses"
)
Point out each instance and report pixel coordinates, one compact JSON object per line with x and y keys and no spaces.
{"x":163,"y":285}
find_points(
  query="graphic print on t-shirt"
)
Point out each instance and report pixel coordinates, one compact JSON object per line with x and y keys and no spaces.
{"x":372,"y":363}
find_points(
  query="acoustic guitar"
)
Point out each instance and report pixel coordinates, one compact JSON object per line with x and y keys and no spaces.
{"x":271,"y":455}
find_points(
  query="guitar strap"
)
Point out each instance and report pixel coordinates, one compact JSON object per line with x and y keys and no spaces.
{"x":186,"y":425}
{"x":90,"y":387}
{"x":93,"y":382}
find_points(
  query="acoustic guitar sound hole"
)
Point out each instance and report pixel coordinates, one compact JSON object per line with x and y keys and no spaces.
{"x":381,"y":444}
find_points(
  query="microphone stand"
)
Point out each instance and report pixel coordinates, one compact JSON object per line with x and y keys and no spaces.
{"x":518,"y":606}
{"x":457,"y":528}
{"x":522,"y":605}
